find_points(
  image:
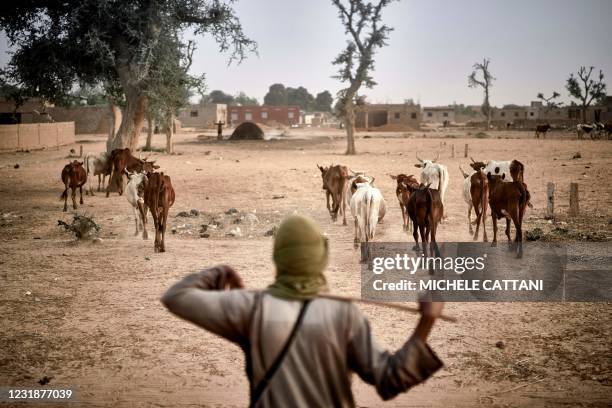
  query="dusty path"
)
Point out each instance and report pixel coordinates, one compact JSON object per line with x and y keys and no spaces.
{"x":93,"y":318}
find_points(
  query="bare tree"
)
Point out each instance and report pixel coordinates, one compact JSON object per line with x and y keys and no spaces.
{"x":585,"y":89}
{"x":550,"y":101}
{"x":362,"y":22}
{"x":485,"y":83}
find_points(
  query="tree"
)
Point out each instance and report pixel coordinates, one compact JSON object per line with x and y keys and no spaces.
{"x":323,"y":101}
{"x":58,"y":43}
{"x":362,"y":23}
{"x":244,"y":100}
{"x":585,"y":89}
{"x":218,"y":96}
{"x":550,"y":101}
{"x":300,"y":97}
{"x":485,"y":83}
{"x":277,"y":95}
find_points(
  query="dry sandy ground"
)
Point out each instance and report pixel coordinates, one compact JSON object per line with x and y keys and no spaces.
{"x":93,"y":318}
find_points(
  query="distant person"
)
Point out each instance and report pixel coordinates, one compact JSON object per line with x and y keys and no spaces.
{"x":301,"y":350}
{"x":220,"y":129}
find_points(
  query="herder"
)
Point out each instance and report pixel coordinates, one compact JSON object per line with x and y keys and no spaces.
{"x":300,"y":349}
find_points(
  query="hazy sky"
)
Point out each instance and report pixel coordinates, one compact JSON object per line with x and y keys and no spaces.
{"x":533,"y":46}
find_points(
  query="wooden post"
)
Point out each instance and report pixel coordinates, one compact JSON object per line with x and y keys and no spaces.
{"x":453,"y":151}
{"x":574,"y":207}
{"x":80,"y":150}
{"x":550,"y":201}
{"x":465,"y":154}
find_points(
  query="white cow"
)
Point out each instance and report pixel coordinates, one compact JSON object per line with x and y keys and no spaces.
{"x":97,"y":165}
{"x":368,"y":208}
{"x":134,"y":193}
{"x":496,"y":167}
{"x":435,"y":175}
{"x":467,"y":195}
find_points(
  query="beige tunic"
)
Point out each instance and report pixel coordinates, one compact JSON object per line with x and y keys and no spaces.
{"x":333,"y":341}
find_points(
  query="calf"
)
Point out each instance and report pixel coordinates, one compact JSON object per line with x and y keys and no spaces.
{"x":405,"y":185}
{"x":508,"y":200}
{"x":368,"y":208}
{"x":73,"y":176}
{"x":426,"y":210}
{"x":334,"y":183}
{"x":158,"y":197}
{"x":475,"y":194}
{"x":97,"y":165}
{"x":134,"y":192}
{"x":122,"y":160}
{"x":542,"y":130}
{"x":434,"y":175}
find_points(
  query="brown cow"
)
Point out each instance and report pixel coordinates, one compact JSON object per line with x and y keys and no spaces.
{"x":405,"y":185}
{"x":542,"y":129}
{"x":334,"y":182}
{"x":73,"y":176}
{"x":158,"y":197}
{"x":508,"y":200}
{"x":122,"y":160}
{"x":426,"y":210}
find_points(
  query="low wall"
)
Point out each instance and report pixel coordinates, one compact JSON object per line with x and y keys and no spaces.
{"x":36,"y":135}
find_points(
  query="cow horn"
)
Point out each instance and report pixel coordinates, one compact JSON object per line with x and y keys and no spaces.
{"x":418,"y":158}
{"x":437,"y":157}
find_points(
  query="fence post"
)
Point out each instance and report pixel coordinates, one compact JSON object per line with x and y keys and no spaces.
{"x":574,"y":207}
{"x":453,"y":151}
{"x":550,"y":201}
{"x":465,"y":154}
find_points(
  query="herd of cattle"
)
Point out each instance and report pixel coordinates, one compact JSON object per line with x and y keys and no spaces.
{"x":595,"y":130}
{"x":146,"y":190}
{"x":498,"y":183}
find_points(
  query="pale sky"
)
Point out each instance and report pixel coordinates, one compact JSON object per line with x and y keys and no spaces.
{"x":533,"y":46}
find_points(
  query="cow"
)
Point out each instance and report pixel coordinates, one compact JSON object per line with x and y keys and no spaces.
{"x":434,"y":174}
{"x":158,"y":197}
{"x":425,"y":210}
{"x":509,"y":201}
{"x":134,"y":192}
{"x":73,"y":176}
{"x":405,"y":185}
{"x":97,"y":165}
{"x":475,"y":194}
{"x":334,"y":183}
{"x":542,"y":130}
{"x":122,"y":160}
{"x":608,"y":129}
{"x":368,"y":208}
{"x":582,"y":129}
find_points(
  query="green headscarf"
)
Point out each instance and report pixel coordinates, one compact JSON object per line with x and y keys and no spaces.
{"x":300,"y":255}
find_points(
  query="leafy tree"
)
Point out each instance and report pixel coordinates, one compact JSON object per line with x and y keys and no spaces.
{"x":218,"y":96}
{"x":60,"y":42}
{"x":485,"y":83}
{"x":362,"y":22}
{"x":277,"y":95}
{"x":323,"y":101}
{"x":245,"y":100}
{"x":300,"y":97}
{"x":585,"y":89}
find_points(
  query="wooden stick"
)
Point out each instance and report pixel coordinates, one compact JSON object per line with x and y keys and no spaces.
{"x":396,"y":306}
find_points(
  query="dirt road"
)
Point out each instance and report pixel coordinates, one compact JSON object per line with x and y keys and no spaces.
{"x":88,"y":315}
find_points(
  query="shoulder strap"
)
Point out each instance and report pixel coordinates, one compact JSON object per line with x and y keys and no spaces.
{"x":263,"y":383}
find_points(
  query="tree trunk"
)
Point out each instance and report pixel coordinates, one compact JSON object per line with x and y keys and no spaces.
{"x":349,"y":122}
{"x":133,"y":118}
{"x":115,"y":121}
{"x":149,"y":131}
{"x":584,"y":111}
{"x":170,"y":134}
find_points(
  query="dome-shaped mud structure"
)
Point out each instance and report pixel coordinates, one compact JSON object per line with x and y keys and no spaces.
{"x":247,"y":131}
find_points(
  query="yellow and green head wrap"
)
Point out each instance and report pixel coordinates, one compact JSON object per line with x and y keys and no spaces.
{"x":300,"y":255}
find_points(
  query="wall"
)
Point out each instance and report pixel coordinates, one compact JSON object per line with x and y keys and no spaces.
{"x":205,"y":115}
{"x":36,"y":135}
{"x":285,"y":115}
{"x":436,"y":115}
{"x":87,"y":119}
{"x":388,"y":116}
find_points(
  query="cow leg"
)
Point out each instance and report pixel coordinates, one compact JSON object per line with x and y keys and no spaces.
{"x":65,"y":195}
{"x":81,"y":193}
{"x":164,"y":220}
{"x":73,"y":195}
{"x":478,"y":217}
{"x":423,"y":239}
{"x":99,"y":179}
{"x":470,"y":218}
{"x":494,"y":220}
{"x":484,"y":228}
{"x":343,"y":210}
{"x":120,"y":183}
{"x":327,"y":194}
{"x":156,"y":224}
{"x":136,"y":217}
{"x":508,"y":232}
{"x":356,"y":238}
{"x":111,"y":178}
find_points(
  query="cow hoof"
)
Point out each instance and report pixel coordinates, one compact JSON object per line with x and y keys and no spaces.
{"x":493,"y":244}
{"x":344,"y":223}
{"x":485,"y":239}
{"x":65,"y":209}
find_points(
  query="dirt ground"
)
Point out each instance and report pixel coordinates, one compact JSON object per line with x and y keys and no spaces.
{"x":88,"y":314}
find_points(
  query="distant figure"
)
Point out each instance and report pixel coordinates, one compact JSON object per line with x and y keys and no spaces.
{"x":220,"y":130}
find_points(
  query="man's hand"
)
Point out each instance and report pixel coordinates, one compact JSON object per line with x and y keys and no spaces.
{"x":229,"y":278}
